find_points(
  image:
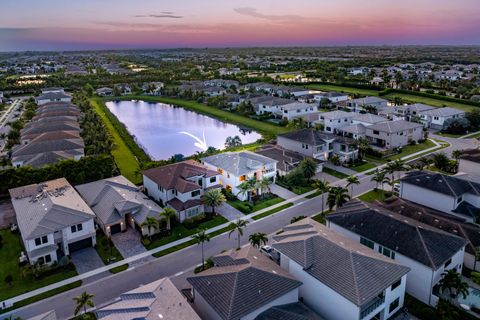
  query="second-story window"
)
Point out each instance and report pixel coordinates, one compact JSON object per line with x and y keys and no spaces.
{"x":76,"y":228}
{"x":195,"y":193}
{"x":213,"y":179}
{"x":41,"y":240}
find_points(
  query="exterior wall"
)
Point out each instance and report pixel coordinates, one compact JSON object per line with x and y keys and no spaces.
{"x":295,"y":146}
{"x":468,"y":166}
{"x":88,"y":230}
{"x":469,"y":261}
{"x":30,"y":244}
{"x":397,"y":139}
{"x":427,"y":197}
{"x":290,"y":114}
{"x":106,"y":228}
{"x":153,"y":190}
{"x":204,"y":310}
{"x":330,"y":125}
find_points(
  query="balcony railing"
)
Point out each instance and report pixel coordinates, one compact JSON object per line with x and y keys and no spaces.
{"x":377,"y":302}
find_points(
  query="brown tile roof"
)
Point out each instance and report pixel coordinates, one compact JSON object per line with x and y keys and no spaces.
{"x":178,"y":205}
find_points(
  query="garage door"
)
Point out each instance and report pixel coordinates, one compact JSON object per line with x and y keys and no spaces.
{"x":116,"y":228}
{"x":82,"y":244}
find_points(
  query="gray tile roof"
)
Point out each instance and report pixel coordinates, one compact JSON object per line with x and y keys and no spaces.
{"x":337,"y":114}
{"x":235,"y":290}
{"x":369,"y":118}
{"x":48,"y":207}
{"x":238,"y":163}
{"x":354,"y":271}
{"x":354,"y":129}
{"x":315,"y":137}
{"x":394,"y":126}
{"x":157,"y":300}
{"x":416,"y":107}
{"x":38,"y":160}
{"x":418,"y":241}
{"x":112,"y":198}
{"x":442,"y":112}
{"x":40,"y":145}
{"x":291,"y":311}
{"x":52,"y":96}
{"x":368,"y":100}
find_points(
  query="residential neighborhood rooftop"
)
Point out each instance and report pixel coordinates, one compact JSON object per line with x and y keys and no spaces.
{"x":394,"y":126}
{"x":238,"y":163}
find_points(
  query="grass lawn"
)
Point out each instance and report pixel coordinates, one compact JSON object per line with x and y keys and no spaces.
{"x":449,"y":135}
{"x":332,"y":87}
{"x":261,"y":204}
{"x":409,"y":98}
{"x":474,"y":136}
{"x":118,"y":269}
{"x":409,"y":149}
{"x":179,"y":232}
{"x":125,"y":159}
{"x":9,"y":254}
{"x":335,"y":173}
{"x":105,"y":252}
{"x":320,"y":218}
{"x":374,"y":195}
{"x":295,"y":189}
{"x":269,"y":212}
{"x":260,"y":126}
{"x":363,"y":166}
{"x":314,"y":195}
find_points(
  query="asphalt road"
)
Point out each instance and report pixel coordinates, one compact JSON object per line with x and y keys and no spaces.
{"x":7,"y":117}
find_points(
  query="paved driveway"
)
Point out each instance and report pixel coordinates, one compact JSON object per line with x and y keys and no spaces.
{"x":129,"y":244}
{"x":282,"y":192}
{"x":229,"y":212}
{"x":86,"y":260}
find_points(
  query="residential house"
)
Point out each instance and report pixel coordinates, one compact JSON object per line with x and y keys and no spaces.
{"x":333,"y":120}
{"x":156,"y":300}
{"x":238,"y":167}
{"x":241,"y":285}
{"x":360,"y":104}
{"x":53,"y":220}
{"x":333,"y":96}
{"x":318,"y":145}
{"x":427,"y":251}
{"x":394,"y":134}
{"x":221,"y":83}
{"x":411,"y":112}
{"x":104,"y":92}
{"x":469,"y":162}
{"x":180,"y":186}
{"x":341,"y":279}
{"x":435,"y":118}
{"x":118,"y":203}
{"x":295,"y":110}
{"x":123,"y":88}
{"x":456,"y":195}
{"x":153,"y":88}
{"x":214,"y":91}
{"x":53,"y":96}
{"x":268,"y":104}
{"x":367,"y":119}
{"x":286,"y":160}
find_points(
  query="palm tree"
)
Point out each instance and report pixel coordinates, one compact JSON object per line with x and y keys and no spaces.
{"x":247,"y":187}
{"x":151,"y":224}
{"x":258,"y":239}
{"x":200,"y":238}
{"x":82,"y":302}
{"x":264,"y":184}
{"x":337,"y":196}
{"x":456,"y":154}
{"x":213,"y":198}
{"x":168,"y":213}
{"x":395,"y":166}
{"x":308,"y":167}
{"x":452,"y":282}
{"x":351,"y":180}
{"x":363,"y":145}
{"x":322,"y":186}
{"x":237,"y":226}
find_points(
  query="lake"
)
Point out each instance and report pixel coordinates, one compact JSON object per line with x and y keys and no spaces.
{"x":164,"y":130}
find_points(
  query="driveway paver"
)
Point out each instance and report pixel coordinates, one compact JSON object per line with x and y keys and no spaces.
{"x":129,"y":244}
{"x":229,"y":212}
{"x":86,"y":260}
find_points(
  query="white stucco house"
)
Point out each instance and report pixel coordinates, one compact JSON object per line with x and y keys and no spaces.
{"x":336,"y":273}
{"x":53,"y":95}
{"x":435,"y":118}
{"x":334,"y":120}
{"x":53,"y":220}
{"x":427,"y":251}
{"x":295,"y":110}
{"x":238,"y":167}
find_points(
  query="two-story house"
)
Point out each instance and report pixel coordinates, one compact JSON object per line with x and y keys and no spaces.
{"x":333,"y":120}
{"x":410,"y":112}
{"x":341,"y":279}
{"x":268,"y":104}
{"x":360,"y":104}
{"x":333,"y":96}
{"x":53,"y":95}
{"x":237,"y":167}
{"x":241,"y":285}
{"x":456,"y":195}
{"x":53,"y":220}
{"x":435,"y":118}
{"x":295,"y":110}
{"x":118,"y":203}
{"x":318,"y":145}
{"x":358,"y":124}
{"x":180,"y":186}
{"x":427,"y":251}
{"x":393,"y":134}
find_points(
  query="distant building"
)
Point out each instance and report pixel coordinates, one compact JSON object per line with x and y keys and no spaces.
{"x":393,"y":134}
{"x":53,"y":95}
{"x":104,"y":92}
{"x":435,"y":118}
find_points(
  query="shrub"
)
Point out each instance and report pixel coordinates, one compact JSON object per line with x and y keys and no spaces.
{"x":146,"y":242}
{"x":245,"y":207}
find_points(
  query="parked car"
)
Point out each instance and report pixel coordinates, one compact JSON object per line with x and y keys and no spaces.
{"x":396,"y":188}
{"x":268,"y":251}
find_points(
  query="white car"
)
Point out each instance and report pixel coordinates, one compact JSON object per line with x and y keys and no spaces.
{"x":396,"y":188}
{"x":267,"y":250}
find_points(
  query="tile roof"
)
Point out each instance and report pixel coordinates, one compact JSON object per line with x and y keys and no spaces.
{"x":337,"y":114}
{"x":315,"y":137}
{"x":47,"y":207}
{"x":157,"y":300}
{"x":368,"y":100}
{"x":179,"y":205}
{"x":286,"y":159}
{"x":418,"y":241}
{"x":394,"y":126}
{"x":369,"y":118}
{"x":112,"y":198}
{"x":291,"y":311}
{"x":354,"y":128}
{"x":174,"y":176}
{"x":442,"y":112}
{"x":448,"y":185}
{"x":234,"y":290}
{"x":354,"y":271}
{"x":238,"y":163}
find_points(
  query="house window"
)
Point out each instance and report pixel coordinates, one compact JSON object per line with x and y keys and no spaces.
{"x":386,"y":252}
{"x":41,"y":240}
{"x":213,"y":179}
{"x":48,"y":258}
{"x":328,"y":129}
{"x":367,"y":242}
{"x":192,"y":212}
{"x":435,"y":118}
{"x":376,"y":132}
{"x":195,"y":193}
{"x":76,"y":228}
{"x":394,"y":305}
{"x":447,"y":263}
{"x":242,"y":178}
{"x":396,"y":284}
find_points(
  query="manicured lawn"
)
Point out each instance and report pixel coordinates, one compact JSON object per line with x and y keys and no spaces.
{"x":295,"y":189}
{"x":320,"y":218}
{"x":335,"y":173}
{"x":118,"y":269}
{"x":449,"y":135}
{"x":262,"y":127}
{"x":105,"y":251}
{"x":409,"y":149}
{"x":474,"y":136}
{"x":374,"y":195}
{"x":9,"y":254}
{"x":409,"y":98}
{"x":314,"y":195}
{"x":331,"y":87}
{"x":269,"y":212}
{"x":363,"y":166}
{"x":124,"y":157}
{"x":179,"y":231}
{"x":261,"y":204}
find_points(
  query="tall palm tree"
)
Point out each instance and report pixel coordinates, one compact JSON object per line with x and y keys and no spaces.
{"x":200,"y":238}
{"x":151,"y":224}
{"x":337,"y":196}
{"x":264,"y":185}
{"x":322,"y":186}
{"x":308,"y":167}
{"x":169,"y":214}
{"x":213,"y":198}
{"x":82,"y":302}
{"x":351,"y":180}
{"x":237,"y":226}
{"x":363,"y":144}
{"x":452,"y":282}
{"x":247,"y":187}
{"x":377,"y":177}
{"x":395,"y":166}
{"x":258,"y":239}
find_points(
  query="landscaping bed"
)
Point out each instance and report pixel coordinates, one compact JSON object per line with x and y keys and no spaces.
{"x":297,"y":189}
{"x":108,"y":253}
{"x":335,"y":173}
{"x":374,"y":195}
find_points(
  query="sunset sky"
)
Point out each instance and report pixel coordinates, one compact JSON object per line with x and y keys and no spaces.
{"x":104,"y":24}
